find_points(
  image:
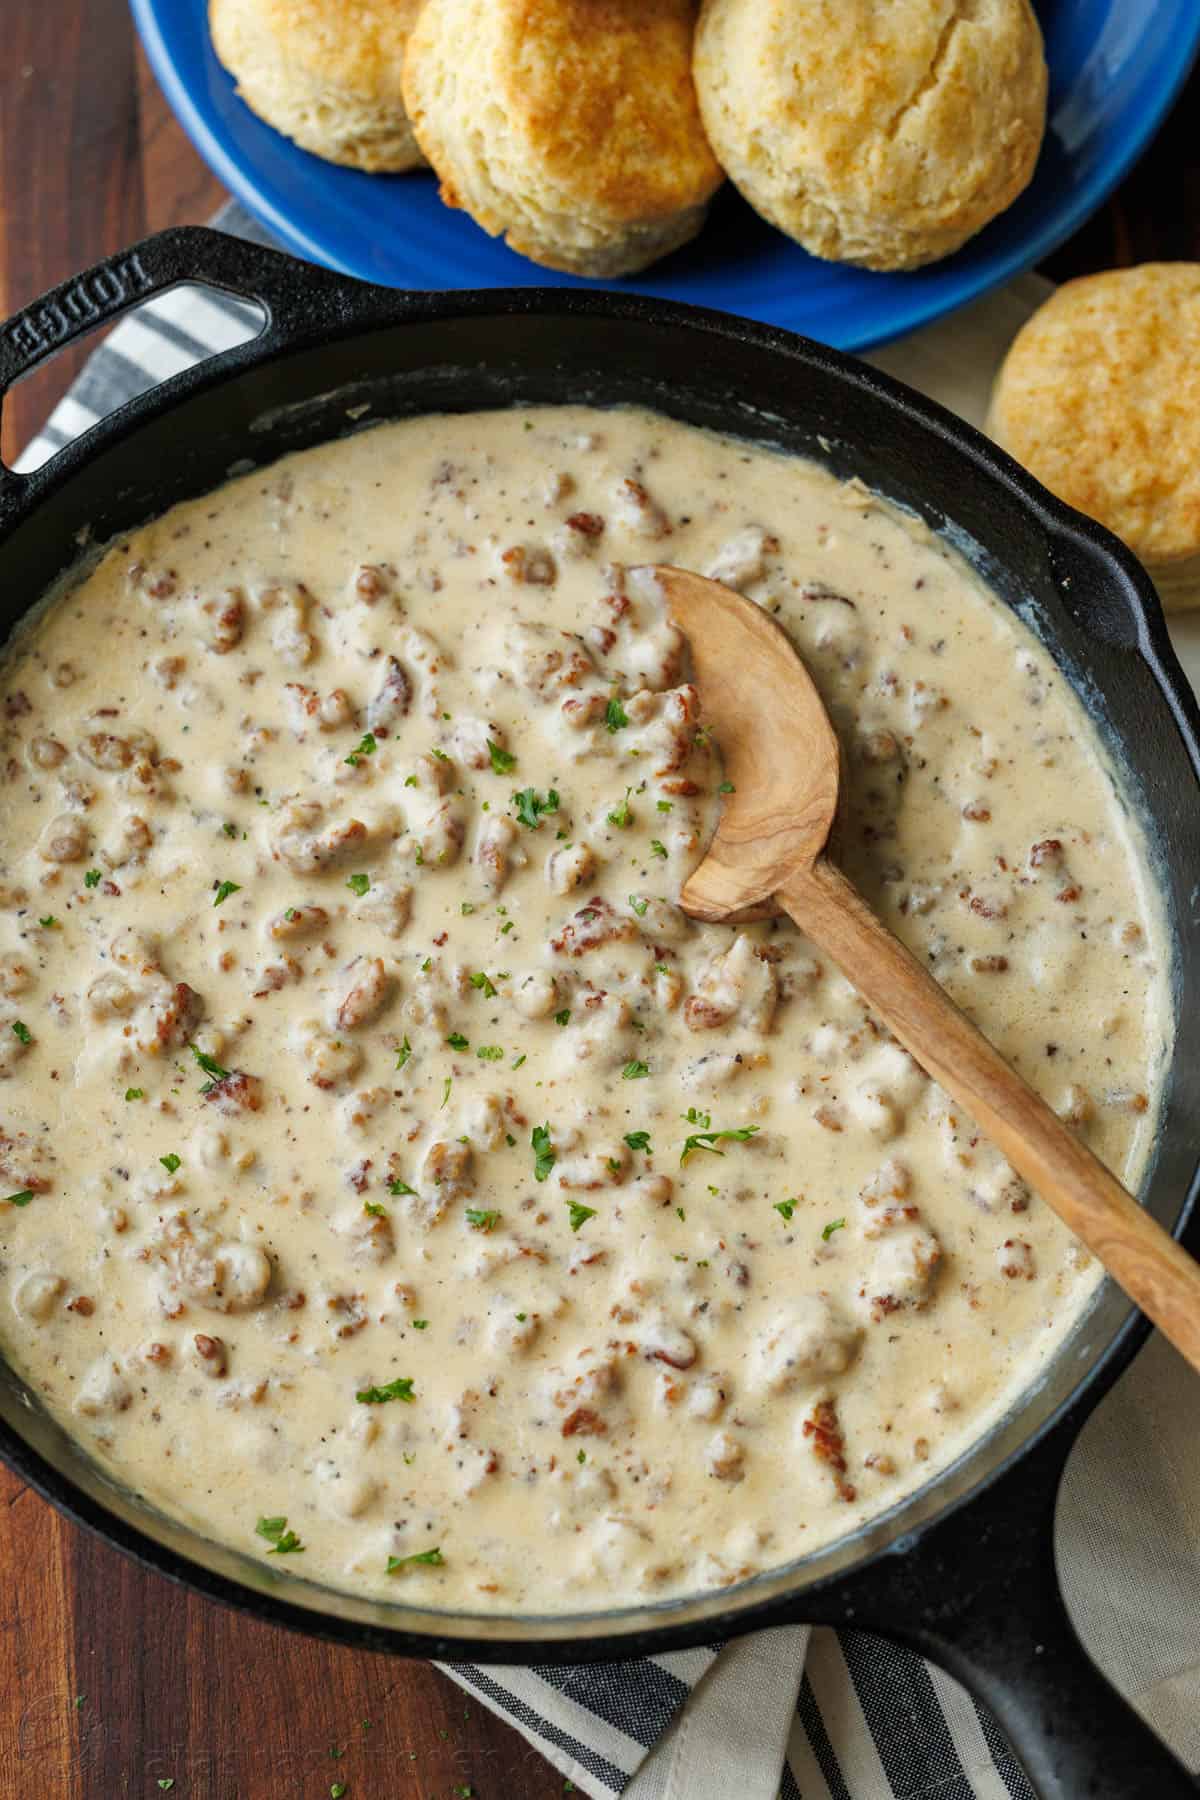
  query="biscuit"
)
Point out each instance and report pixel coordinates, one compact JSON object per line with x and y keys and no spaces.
{"x":569,"y":127}
{"x":327,"y":73}
{"x":1099,"y":397}
{"x":878,"y":132}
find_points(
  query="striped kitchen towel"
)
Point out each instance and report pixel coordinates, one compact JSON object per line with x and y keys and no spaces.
{"x":821,"y":1715}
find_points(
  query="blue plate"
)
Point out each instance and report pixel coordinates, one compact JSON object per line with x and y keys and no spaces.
{"x":1115,"y":67}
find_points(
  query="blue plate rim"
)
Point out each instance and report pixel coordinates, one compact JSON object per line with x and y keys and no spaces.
{"x":924,"y":308}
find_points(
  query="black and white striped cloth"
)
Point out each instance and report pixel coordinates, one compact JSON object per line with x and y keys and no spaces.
{"x":792,"y":1714}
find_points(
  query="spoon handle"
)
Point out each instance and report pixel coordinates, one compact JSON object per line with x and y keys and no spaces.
{"x":1147,"y":1262}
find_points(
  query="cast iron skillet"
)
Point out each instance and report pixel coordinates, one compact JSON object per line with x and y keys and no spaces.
{"x":964,"y":1570}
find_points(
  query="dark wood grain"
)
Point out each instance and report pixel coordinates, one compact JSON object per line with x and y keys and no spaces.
{"x":110,"y":1678}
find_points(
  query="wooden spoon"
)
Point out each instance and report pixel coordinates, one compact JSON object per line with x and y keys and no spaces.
{"x":770,"y":852}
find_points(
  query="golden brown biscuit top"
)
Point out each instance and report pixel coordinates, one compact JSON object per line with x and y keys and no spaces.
{"x":899,"y":105}
{"x":1100,"y":398}
{"x":603,"y":90}
{"x":356,"y":44}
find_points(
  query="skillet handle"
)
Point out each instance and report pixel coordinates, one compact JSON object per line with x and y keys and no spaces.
{"x":290,"y":294}
{"x":979,"y":1595}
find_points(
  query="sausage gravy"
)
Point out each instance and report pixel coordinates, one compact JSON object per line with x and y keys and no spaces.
{"x":391,"y":1177}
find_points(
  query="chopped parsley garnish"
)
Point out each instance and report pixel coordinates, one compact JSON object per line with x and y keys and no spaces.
{"x":135,"y":1093}
{"x":563,"y":1017}
{"x":518,"y":1060}
{"x":22,"y":1031}
{"x":638,"y":1140}
{"x":482,"y":1218}
{"x":411,"y":781}
{"x":727,"y":787}
{"x":291,"y":914}
{"x":400,"y":1187}
{"x":531,"y":808}
{"x":432,"y":1559}
{"x":224,"y":890}
{"x":657,"y":848}
{"x":664,"y":805}
{"x":635,"y":1071}
{"x":615,"y":716}
{"x":171,"y":1162}
{"x":229,"y":830}
{"x":466,"y":909}
{"x":48,"y":923}
{"x":211,"y":1067}
{"x":373,"y":1208}
{"x":622,"y":815}
{"x":661,"y":969}
{"x":543,"y":1152}
{"x":21,"y":1199}
{"x":419,"y":1324}
{"x":484,"y":983}
{"x":520,"y":1317}
{"x":581,"y":1456}
{"x":503,"y":761}
{"x":367,"y":747}
{"x":706,"y":1139}
{"x":337,"y":1790}
{"x":358,"y":884}
{"x":281,"y":1540}
{"x":446,"y":1086}
{"x":579,"y":1214}
{"x":400,"y":1389}
{"x":92,"y":878}
{"x":827,"y":1231}
{"x":490,"y":1053}
{"x":785,"y":1208}
{"x":440,"y":754}
{"x":639,"y":906}
{"x":403,"y":1054}
{"x":457,"y":1041}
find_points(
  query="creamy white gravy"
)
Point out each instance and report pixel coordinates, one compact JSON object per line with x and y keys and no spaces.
{"x":371,"y":780}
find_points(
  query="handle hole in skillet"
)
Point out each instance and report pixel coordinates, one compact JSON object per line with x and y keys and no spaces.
{"x":175,"y":330}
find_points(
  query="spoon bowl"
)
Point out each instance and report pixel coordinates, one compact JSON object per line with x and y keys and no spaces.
{"x":780,"y":751}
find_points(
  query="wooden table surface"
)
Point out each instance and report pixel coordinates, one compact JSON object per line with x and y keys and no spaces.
{"x":111,"y":1680}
